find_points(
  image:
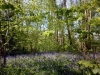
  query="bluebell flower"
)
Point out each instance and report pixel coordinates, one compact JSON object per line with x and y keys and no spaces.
{"x":39,"y":60}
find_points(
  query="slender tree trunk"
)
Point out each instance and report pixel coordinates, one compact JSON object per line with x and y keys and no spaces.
{"x":64,"y":3}
{"x":63,"y":39}
{"x":57,"y":40}
{"x":2,"y":47}
{"x":68,"y":27}
{"x":0,"y":43}
{"x":88,"y":39}
{"x":4,"y":56}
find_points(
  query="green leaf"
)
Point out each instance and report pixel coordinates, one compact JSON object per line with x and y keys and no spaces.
{"x":85,"y":63}
{"x":95,"y":71}
{"x":80,"y":18}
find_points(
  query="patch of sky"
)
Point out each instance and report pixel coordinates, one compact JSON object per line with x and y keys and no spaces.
{"x":24,"y":23}
{"x":25,"y":1}
{"x":75,"y":24}
{"x":59,"y":2}
{"x":44,"y":27}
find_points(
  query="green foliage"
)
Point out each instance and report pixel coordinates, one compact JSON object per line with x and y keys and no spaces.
{"x":89,"y":67}
{"x":69,"y":48}
{"x":48,"y":33}
{"x":95,"y":22}
{"x":7,"y":6}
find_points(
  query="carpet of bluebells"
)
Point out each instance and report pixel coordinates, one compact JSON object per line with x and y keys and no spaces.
{"x":43,"y":64}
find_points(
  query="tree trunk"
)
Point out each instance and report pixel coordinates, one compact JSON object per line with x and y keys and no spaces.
{"x":68,"y":27}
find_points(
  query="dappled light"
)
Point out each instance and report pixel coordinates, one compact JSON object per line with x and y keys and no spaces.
{"x":49,"y":37}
